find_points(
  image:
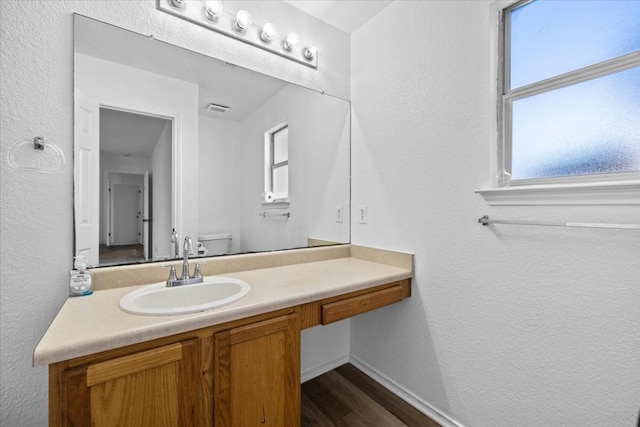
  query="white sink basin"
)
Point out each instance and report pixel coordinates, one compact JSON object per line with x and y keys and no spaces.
{"x":158,"y":299}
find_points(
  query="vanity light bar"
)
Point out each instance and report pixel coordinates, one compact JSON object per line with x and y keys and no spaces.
{"x":212,"y":15}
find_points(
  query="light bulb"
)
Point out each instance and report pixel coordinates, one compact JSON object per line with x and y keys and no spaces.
{"x":291,"y":41}
{"x":310,"y":52}
{"x":269,"y":32}
{"x":243,"y":21}
{"x":213,"y":9}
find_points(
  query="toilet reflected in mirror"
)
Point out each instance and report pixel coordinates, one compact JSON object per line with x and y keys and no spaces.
{"x":214,"y":244}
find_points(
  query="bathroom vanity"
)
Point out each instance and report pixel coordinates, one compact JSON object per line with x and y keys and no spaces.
{"x":237,"y":365}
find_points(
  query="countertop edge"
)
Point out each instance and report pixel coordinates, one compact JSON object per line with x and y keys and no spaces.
{"x":46,"y":354}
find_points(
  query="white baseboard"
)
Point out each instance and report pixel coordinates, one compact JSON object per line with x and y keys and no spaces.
{"x":327,"y":366}
{"x":406,"y":395}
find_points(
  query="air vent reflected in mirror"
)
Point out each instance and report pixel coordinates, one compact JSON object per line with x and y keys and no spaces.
{"x":218,"y":109}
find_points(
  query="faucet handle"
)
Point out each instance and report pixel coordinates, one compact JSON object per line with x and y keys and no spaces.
{"x":197,"y":273}
{"x":173,"y":277}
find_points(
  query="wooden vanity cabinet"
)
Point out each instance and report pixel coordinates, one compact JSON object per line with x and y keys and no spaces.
{"x":239,"y":374}
{"x":156,"y":387}
{"x":257,"y":374}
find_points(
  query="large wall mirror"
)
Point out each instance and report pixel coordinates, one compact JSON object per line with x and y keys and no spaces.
{"x":171,"y":143}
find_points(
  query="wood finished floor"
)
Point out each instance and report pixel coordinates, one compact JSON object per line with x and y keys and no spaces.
{"x":121,"y":253}
{"x":346,"y":397}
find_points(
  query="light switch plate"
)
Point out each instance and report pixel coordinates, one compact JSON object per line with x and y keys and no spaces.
{"x":339,"y":213}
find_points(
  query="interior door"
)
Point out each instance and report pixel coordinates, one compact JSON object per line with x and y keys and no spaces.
{"x":125,"y":204}
{"x":146,"y":216}
{"x":86,"y":172}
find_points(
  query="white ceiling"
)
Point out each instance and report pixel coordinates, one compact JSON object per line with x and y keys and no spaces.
{"x":129,"y":134}
{"x":347,"y":15}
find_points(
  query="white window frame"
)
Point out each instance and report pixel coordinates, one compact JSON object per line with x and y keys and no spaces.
{"x":269,"y":165}
{"x":619,"y":188}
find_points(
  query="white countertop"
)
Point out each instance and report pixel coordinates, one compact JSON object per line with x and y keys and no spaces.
{"x":95,"y":323}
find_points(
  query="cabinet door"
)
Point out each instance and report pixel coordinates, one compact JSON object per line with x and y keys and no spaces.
{"x":257,"y":374}
{"x":158,"y":387}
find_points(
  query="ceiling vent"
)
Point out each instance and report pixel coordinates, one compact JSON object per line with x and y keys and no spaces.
{"x":218,"y":109}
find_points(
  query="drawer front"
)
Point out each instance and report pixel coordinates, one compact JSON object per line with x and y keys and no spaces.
{"x":361,"y":304}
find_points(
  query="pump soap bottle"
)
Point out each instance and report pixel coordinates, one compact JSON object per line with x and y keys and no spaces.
{"x":80,"y":279}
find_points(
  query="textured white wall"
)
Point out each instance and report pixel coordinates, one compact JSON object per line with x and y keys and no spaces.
{"x":36,"y":210}
{"x":508,"y":325}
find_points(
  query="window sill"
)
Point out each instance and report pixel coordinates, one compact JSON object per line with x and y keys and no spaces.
{"x":592,"y":193}
{"x":277,"y":204}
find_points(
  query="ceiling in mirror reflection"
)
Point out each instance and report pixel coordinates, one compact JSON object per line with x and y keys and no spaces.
{"x":119,"y":128}
{"x":243,"y":90}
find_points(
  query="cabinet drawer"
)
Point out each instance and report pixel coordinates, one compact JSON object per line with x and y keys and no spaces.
{"x":343,"y":309}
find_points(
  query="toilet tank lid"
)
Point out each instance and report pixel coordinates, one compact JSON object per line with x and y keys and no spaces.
{"x":214,"y":236}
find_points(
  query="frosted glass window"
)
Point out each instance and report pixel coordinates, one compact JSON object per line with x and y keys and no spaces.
{"x":281,"y":146}
{"x":588,"y":128}
{"x":570,"y":103}
{"x":281,"y":180}
{"x":549,"y":38}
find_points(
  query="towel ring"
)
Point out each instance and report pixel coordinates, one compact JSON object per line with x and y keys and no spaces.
{"x":47,"y":158}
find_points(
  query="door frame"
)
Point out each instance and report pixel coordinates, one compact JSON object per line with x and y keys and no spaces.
{"x":176,"y":157}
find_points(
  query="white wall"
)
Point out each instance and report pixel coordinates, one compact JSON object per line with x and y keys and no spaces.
{"x":318,"y":170}
{"x":507,"y":325}
{"x":221,"y":177}
{"x":36,"y":69}
{"x":231,"y":165}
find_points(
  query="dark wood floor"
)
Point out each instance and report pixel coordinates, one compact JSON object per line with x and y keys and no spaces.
{"x":346,"y":397}
{"x":121,"y":253}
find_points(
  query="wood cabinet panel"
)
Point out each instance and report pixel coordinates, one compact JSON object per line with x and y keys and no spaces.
{"x":361,"y":304}
{"x":75,"y":397}
{"x":123,"y":366}
{"x":257,"y":374}
{"x":149,"y":397}
{"x":329,"y":310}
{"x":158,"y":387}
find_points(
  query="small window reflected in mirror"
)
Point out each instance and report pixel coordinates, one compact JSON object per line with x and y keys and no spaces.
{"x":277,"y":161}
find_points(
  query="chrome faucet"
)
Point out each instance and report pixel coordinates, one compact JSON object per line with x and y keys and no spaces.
{"x":185,"y":278}
{"x":187,"y":249}
{"x":174,"y":240}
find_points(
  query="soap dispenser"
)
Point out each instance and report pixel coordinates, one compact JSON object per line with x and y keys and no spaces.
{"x":80,"y":281}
